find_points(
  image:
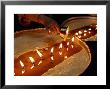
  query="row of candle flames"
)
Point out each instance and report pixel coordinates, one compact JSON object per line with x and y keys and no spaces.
{"x":78,"y":34}
{"x":51,"y":52}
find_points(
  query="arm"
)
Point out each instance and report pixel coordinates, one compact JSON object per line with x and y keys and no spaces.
{"x":49,"y":23}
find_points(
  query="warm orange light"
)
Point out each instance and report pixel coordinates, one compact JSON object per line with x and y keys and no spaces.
{"x":68,"y":43}
{"x":32,"y":66}
{"x":89,"y":32}
{"x":21,"y":63}
{"x":76,"y":33}
{"x":67,"y":49}
{"x":40,"y":62}
{"x":39,"y":53}
{"x":23,"y":71}
{"x":52,"y":49}
{"x":52,"y":58}
{"x":89,"y":29}
{"x":67,"y":32}
{"x":49,"y":31}
{"x":65,"y":57}
{"x":60,"y":46}
{"x":85,"y":30}
{"x":84,"y":34}
{"x":80,"y":32}
{"x":60,"y":53}
{"x":73,"y":39}
{"x":32,"y":59}
{"x":79,"y":36}
{"x":72,"y":46}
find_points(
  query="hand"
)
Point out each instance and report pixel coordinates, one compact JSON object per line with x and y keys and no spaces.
{"x":53,"y":28}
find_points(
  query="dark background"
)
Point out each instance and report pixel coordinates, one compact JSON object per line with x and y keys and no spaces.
{"x":59,"y":18}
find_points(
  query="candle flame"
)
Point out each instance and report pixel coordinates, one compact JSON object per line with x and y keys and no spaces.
{"x":84,"y":34}
{"x":52,"y":49}
{"x":60,"y":53}
{"x":51,"y":58}
{"x":68,"y":43}
{"x":49,"y":31}
{"x":76,"y":33}
{"x":65,"y":57}
{"x":89,"y":32}
{"x":67,"y":31}
{"x":32,"y":59}
{"x":85,"y":30}
{"x":67,"y":49}
{"x":60,"y":46}
{"x":73,"y":39}
{"x":39,"y":53}
{"x":32,"y":66}
{"x":40,"y":62}
{"x":80,"y":32}
{"x":23,"y":71}
{"x":72,"y":46}
{"x":89,"y":29}
{"x":21,"y":63}
{"x":79,"y":36}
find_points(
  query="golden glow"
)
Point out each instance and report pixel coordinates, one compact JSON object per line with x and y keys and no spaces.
{"x":85,"y":30}
{"x":68,"y":43}
{"x":89,"y":29}
{"x":40,"y":62}
{"x":89,"y":32}
{"x":67,"y":49}
{"x":84,"y":34}
{"x":23,"y":71}
{"x":49,"y":31}
{"x":39,"y":53}
{"x":21,"y":63}
{"x":52,"y":49}
{"x":65,"y":57}
{"x":60,"y":46}
{"x":76,"y":33}
{"x":73,"y":39}
{"x":32,"y":59}
{"x":67,"y":32}
{"x":32,"y":66}
{"x":80,"y":32}
{"x":60,"y":53}
{"x":51,"y":58}
{"x":79,"y":36}
{"x":72,"y":46}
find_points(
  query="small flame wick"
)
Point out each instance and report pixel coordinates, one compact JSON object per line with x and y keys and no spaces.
{"x":32,"y":59}
{"x":52,"y":49}
{"x":72,"y":46}
{"x":67,"y":49}
{"x":68,"y":43}
{"x":72,"y":39}
{"x":52,"y":58}
{"x":32,"y":66}
{"x":21,"y":63}
{"x":39,"y":53}
{"x":60,"y":53}
{"x":65,"y":57}
{"x":67,"y":32}
{"x":23,"y":71}
{"x":40,"y":62}
{"x":60,"y":46}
